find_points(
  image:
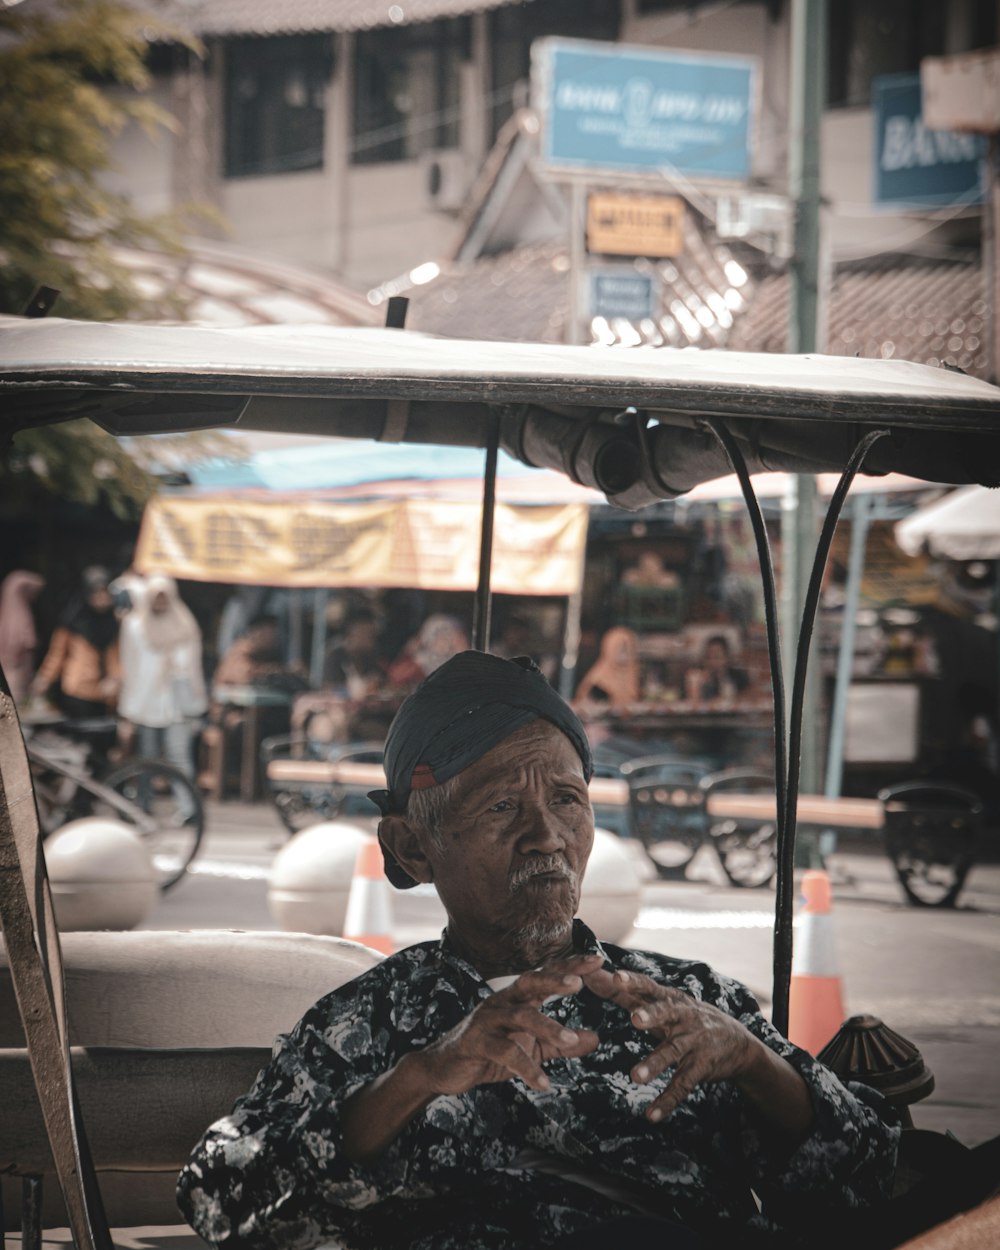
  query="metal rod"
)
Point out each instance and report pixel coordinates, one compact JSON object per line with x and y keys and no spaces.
{"x":786,"y":852}
{"x":31,"y":1213}
{"x":860,"y":517}
{"x":482,"y":608}
{"x":782,"y":950}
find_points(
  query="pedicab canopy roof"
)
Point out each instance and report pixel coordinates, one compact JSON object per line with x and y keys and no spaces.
{"x":631,"y":422}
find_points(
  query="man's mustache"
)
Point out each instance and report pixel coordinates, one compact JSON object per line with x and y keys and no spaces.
{"x":553,"y":865}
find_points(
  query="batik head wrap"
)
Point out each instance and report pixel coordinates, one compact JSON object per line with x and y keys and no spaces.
{"x":462,"y":710}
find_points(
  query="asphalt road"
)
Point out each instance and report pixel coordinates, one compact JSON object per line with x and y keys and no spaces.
{"x":931,"y":974}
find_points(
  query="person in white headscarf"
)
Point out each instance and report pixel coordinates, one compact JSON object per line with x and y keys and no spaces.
{"x":163,"y":685}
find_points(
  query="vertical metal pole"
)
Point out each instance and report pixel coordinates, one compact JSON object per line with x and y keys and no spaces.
{"x":577,"y":264}
{"x":482,"y":609}
{"x":991,"y":267}
{"x":317,"y":654}
{"x":571,"y":631}
{"x":860,"y":520}
{"x":31,"y":1213}
{"x":799,"y":529}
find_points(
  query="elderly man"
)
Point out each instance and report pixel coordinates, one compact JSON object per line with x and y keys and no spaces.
{"x":518,"y":1083}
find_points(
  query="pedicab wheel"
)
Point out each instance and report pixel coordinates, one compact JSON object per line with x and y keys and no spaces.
{"x":748,"y":854}
{"x":164,"y":793}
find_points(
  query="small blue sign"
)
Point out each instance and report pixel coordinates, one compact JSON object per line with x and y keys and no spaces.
{"x":619,"y":293}
{"x":915,"y":166}
{"x":609,"y":106}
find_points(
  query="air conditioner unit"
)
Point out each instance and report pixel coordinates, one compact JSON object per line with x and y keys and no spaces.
{"x":446,"y":178}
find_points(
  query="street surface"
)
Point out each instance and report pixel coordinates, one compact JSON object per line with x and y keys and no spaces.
{"x":932,"y":975}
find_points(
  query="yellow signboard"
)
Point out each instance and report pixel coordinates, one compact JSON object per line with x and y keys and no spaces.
{"x":423,"y":544}
{"x":635,"y":225}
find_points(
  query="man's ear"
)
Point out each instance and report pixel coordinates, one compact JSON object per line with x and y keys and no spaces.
{"x":401,"y":840}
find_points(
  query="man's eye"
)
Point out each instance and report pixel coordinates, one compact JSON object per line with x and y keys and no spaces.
{"x":567,"y":797}
{"x":505,"y":805}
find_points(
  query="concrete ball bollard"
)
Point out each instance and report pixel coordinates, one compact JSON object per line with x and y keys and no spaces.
{"x":311,"y":876}
{"x":609,"y":900}
{"x":101,"y":874}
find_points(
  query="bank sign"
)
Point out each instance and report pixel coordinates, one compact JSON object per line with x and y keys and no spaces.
{"x":607,"y":106}
{"x":915,"y":166}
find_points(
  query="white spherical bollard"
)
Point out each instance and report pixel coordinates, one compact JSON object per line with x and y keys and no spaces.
{"x":311,"y":877}
{"x":101,"y":874}
{"x":609,"y":901}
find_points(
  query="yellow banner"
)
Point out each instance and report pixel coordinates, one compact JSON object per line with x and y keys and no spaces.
{"x":423,"y":544}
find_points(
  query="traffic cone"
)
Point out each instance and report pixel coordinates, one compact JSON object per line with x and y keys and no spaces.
{"x":368,"y":919}
{"x":816,"y":1005}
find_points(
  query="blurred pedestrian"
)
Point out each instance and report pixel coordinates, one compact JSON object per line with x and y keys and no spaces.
{"x":163,"y":687}
{"x":18,"y":639}
{"x":440,"y":637}
{"x":81,"y":669}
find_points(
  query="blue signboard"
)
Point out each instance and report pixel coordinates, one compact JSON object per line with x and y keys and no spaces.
{"x":612,"y":107}
{"x":915,"y":166}
{"x":620,"y":293}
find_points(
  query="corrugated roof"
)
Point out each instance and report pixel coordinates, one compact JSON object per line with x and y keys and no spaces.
{"x":296,"y":17}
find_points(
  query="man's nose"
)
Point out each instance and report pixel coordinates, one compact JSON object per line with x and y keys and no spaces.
{"x":543,"y":831}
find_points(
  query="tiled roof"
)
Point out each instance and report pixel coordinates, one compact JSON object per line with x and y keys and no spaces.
{"x":524,"y":295}
{"x":292,"y":17}
{"x":930,"y":311}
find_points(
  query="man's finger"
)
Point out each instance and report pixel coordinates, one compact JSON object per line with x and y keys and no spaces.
{"x":565,"y":976}
{"x":683,"y":1083}
{"x":512,"y":1056}
{"x":668,"y":1054}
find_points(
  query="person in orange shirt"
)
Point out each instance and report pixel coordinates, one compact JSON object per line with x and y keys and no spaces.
{"x":82,"y":664}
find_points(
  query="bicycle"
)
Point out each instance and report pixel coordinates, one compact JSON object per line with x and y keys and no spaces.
{"x":156,"y":798}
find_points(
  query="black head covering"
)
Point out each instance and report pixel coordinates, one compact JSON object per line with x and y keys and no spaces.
{"x":461,"y":711}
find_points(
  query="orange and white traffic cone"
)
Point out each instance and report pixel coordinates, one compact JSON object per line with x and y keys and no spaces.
{"x":816,"y":1004}
{"x":368,"y":919}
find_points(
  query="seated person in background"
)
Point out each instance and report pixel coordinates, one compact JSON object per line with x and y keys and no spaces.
{"x":352,"y":663}
{"x":518,"y":1083}
{"x":254,"y":656}
{"x":440,"y":637}
{"x":716,"y":680}
{"x":614,"y":677}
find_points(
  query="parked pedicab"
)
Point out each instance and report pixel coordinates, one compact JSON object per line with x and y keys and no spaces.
{"x":639,"y":425}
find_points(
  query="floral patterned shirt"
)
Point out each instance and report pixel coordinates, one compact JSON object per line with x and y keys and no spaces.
{"x":272,"y":1174}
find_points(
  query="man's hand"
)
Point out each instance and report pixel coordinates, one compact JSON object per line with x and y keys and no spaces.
{"x":505,"y":1036}
{"x":508,"y":1036}
{"x":696,"y":1039}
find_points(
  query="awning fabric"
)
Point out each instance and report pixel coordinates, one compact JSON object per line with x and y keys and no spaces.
{"x":964,"y":525}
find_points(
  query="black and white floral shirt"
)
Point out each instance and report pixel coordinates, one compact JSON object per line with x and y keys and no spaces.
{"x":272,"y":1173}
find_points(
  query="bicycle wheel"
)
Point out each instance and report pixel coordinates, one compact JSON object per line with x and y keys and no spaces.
{"x":165,"y":794}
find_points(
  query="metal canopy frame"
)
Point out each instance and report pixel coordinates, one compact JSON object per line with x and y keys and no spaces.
{"x":641,"y":425}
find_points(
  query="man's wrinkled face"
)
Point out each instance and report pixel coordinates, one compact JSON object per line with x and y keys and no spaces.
{"x":516,"y":840}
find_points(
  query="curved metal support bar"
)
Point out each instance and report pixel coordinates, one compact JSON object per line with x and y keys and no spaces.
{"x":785,"y":834}
{"x":786,"y":849}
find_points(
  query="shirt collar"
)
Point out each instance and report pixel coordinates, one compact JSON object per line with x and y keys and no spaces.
{"x":585,"y":942}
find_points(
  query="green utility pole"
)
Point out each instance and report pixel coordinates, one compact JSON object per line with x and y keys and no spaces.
{"x":798,"y":522}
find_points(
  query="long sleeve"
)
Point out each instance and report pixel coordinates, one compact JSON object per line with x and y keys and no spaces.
{"x":272,"y":1173}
